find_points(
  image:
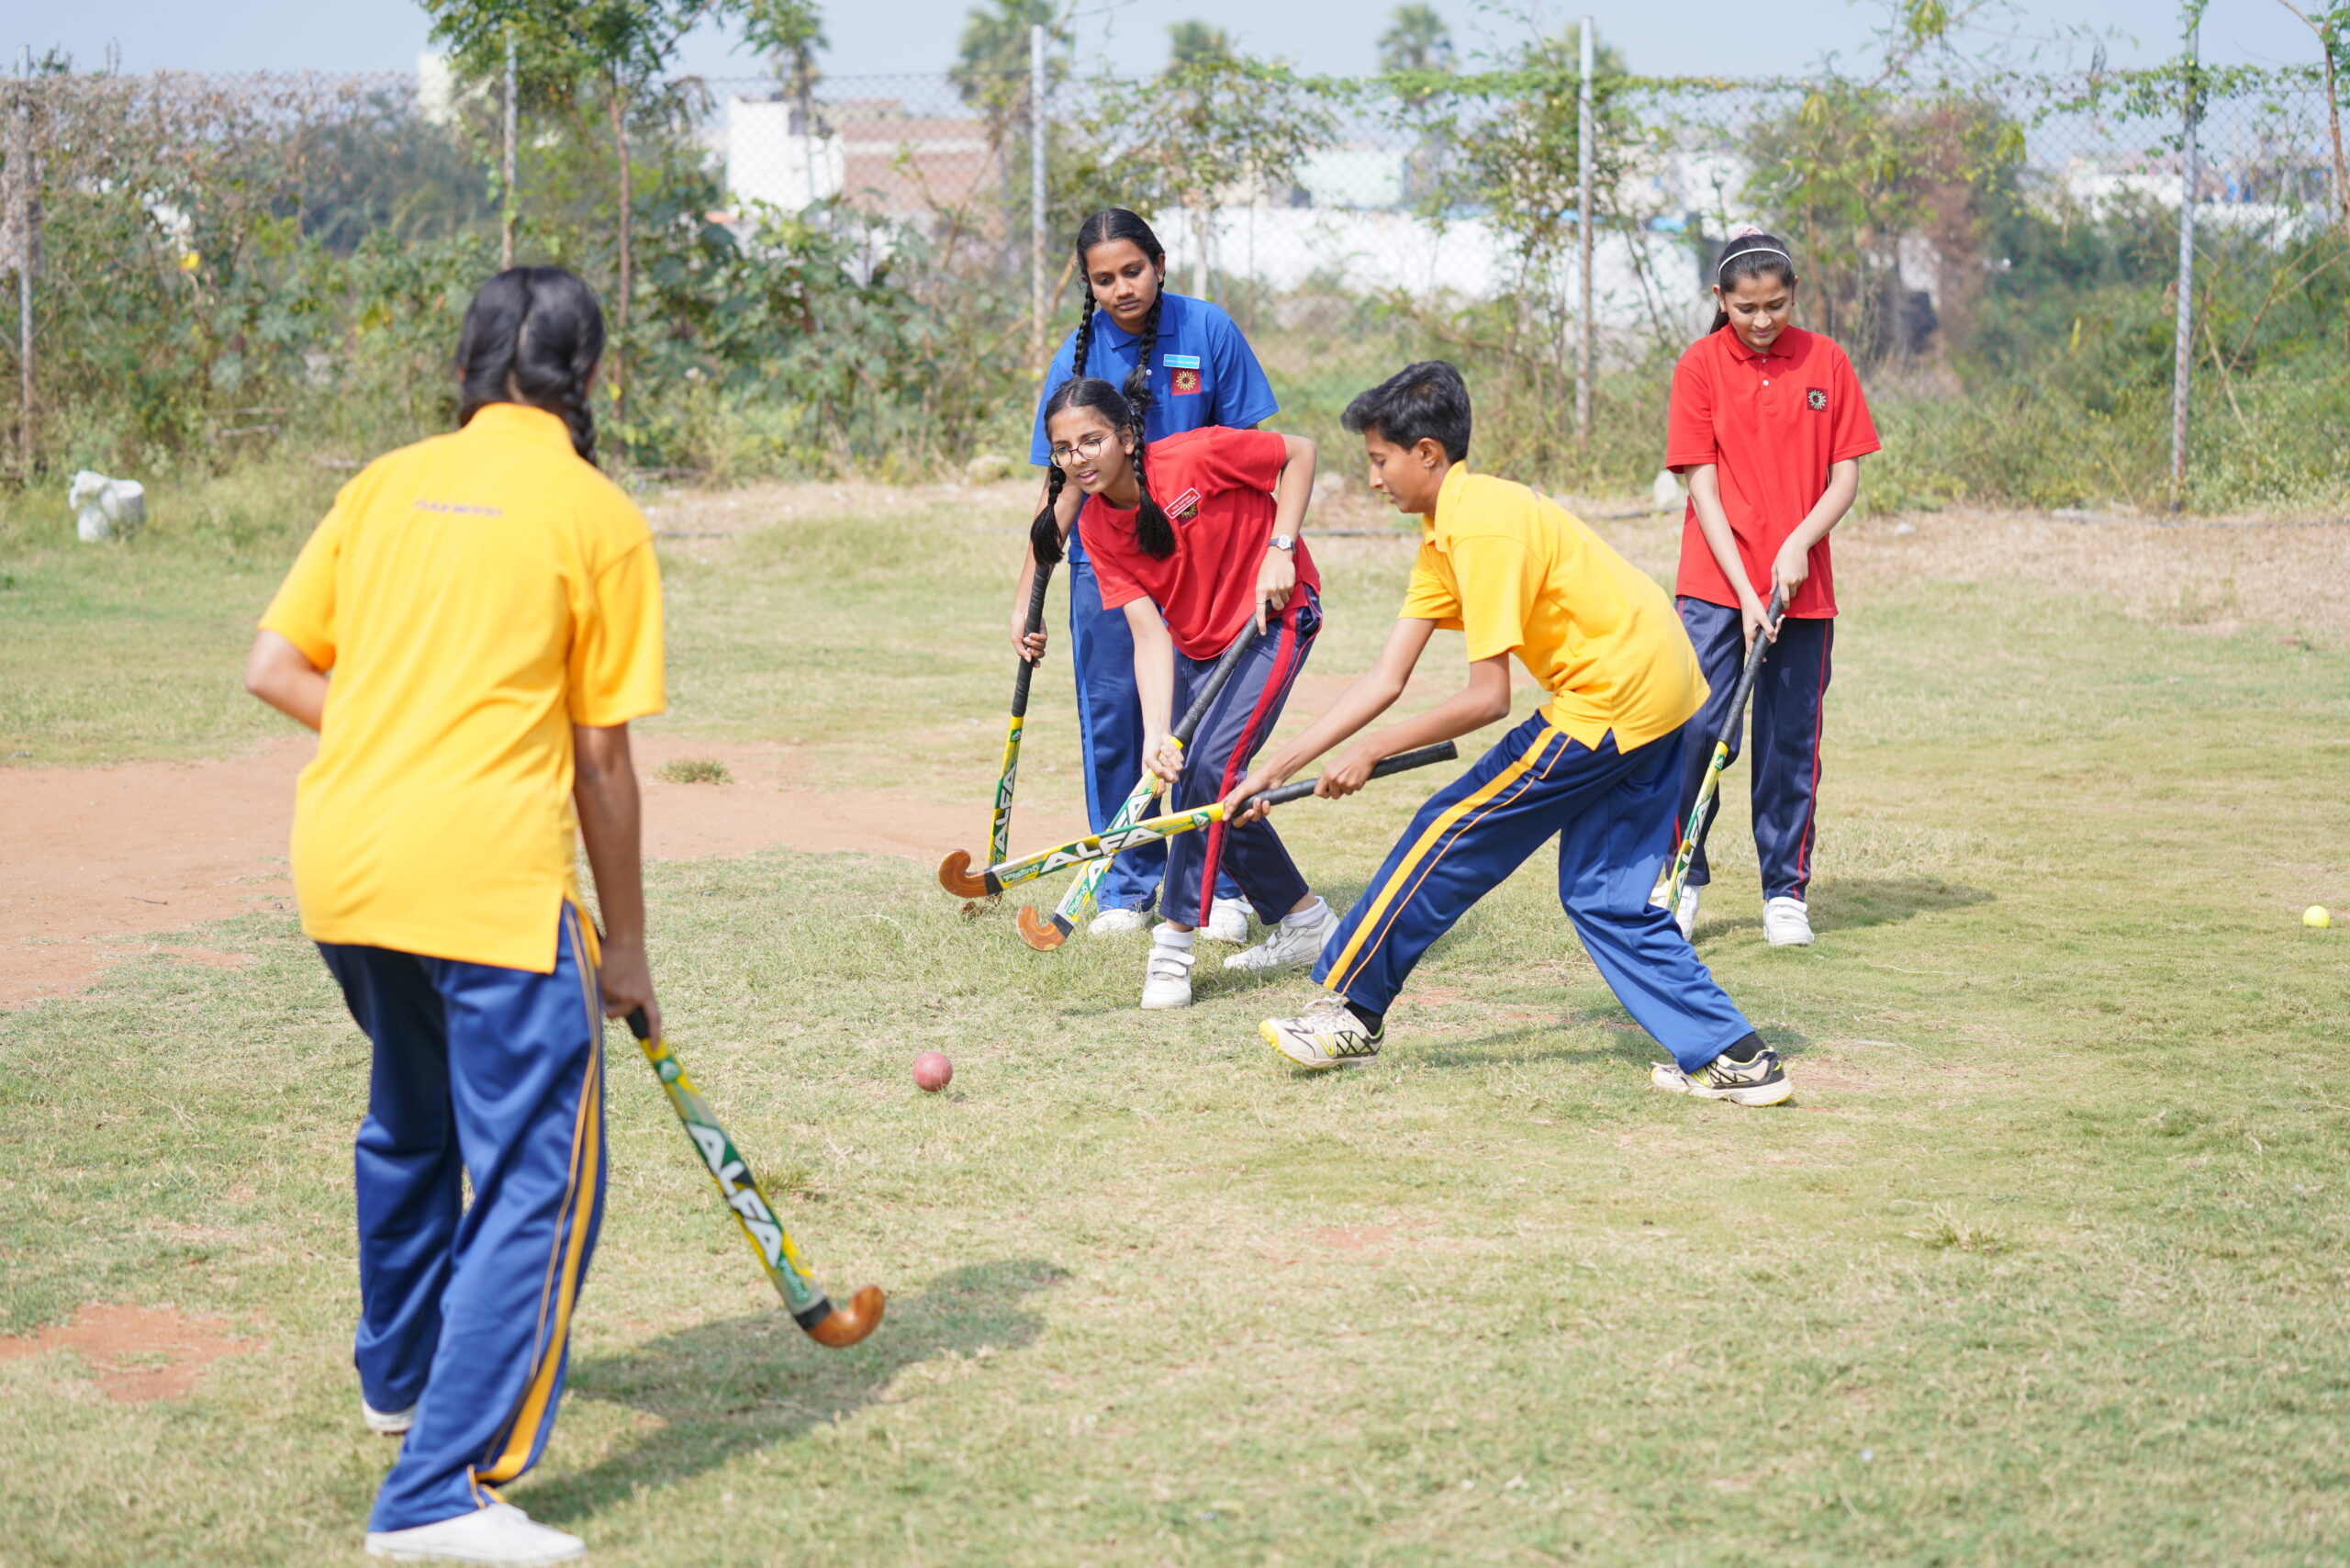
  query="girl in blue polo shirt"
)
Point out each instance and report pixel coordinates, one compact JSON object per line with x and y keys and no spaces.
{"x":1185,"y":365}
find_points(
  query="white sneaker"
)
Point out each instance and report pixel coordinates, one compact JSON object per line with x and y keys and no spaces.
{"x":1328,"y":1035}
{"x":1786,"y":923}
{"x":500,"y":1533}
{"x":1119,"y":923}
{"x":1167,"y":978}
{"x":387,"y":1423}
{"x":1227,"y":922}
{"x":1298,"y":939}
{"x":1685,"y":915}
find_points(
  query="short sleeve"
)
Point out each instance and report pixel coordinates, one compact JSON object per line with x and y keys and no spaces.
{"x":1497,"y":582}
{"x":1855,"y":432}
{"x":1112,"y":571}
{"x":1430,"y":596}
{"x":303,"y":612}
{"x":1689,"y":419}
{"x":1245,"y":460}
{"x":1040,"y":445}
{"x":616,"y":666}
{"x":1243,"y":396}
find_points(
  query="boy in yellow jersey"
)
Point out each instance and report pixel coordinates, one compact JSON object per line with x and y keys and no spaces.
{"x":1598,"y":767}
{"x":490,"y":610}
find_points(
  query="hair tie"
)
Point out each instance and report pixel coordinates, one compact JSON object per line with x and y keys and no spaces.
{"x":1751,"y":251}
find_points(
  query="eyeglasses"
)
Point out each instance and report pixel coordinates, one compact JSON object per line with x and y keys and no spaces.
{"x":1088,"y":447}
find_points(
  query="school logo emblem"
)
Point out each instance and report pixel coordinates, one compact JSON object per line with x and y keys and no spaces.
{"x":1185,"y":507}
{"x":1183,"y":374}
{"x":1816,"y":399}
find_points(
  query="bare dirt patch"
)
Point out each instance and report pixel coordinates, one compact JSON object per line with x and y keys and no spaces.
{"x":95,"y":856}
{"x":139,"y":1353}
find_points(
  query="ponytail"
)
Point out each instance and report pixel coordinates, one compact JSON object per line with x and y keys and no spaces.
{"x":532,"y":335}
{"x":1750,"y":253}
{"x":1154,"y":530}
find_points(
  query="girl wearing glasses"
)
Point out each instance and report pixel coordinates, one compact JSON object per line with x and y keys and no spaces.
{"x":1184,"y":366}
{"x":1195,"y":542}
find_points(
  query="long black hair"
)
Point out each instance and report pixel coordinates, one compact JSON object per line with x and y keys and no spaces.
{"x":1751,"y":255}
{"x":532,"y":335}
{"x":1116,"y":223}
{"x":1153,"y":531}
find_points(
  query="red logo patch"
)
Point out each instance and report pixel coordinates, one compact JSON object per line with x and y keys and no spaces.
{"x":1187,"y":382}
{"x":1816,"y":399}
{"x":1185,"y":507}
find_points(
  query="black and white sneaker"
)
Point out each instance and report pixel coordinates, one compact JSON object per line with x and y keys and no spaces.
{"x":1758,"y":1081}
{"x":1330,"y":1034}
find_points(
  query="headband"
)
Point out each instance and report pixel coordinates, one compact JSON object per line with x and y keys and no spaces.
{"x":1752,"y":250}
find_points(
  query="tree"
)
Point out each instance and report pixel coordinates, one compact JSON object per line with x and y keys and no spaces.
{"x":1416,"y":40}
{"x":991,"y":69}
{"x":1196,"y":43}
{"x":2332,"y":26}
{"x":560,"y":46}
{"x":789,"y":33}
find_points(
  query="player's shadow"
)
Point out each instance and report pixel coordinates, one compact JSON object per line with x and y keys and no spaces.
{"x":743,"y":1383}
{"x":1596,"y":1031}
{"x":1848,"y":903}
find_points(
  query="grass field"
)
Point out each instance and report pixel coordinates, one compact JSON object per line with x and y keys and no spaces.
{"x":2046,"y":1264}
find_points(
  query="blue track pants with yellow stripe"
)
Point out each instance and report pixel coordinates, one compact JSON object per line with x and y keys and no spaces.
{"x":464,"y":1311}
{"x":1612,"y":815}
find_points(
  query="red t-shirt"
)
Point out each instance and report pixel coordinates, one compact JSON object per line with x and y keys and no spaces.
{"x":1772,"y":425}
{"x":1216,"y":485}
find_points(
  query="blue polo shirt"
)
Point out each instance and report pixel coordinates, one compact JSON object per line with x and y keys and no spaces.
{"x":1202,"y":373}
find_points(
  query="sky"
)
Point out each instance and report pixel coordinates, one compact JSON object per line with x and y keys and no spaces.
{"x":1681,"y":37}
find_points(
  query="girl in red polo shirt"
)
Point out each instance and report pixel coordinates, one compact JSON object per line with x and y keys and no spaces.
{"x":1769,"y":426}
{"x":1195,"y":538}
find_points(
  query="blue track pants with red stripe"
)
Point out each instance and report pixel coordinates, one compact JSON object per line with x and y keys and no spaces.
{"x":1612,"y":815}
{"x":465,"y":1310}
{"x":1790,"y":700}
{"x":1230,"y":735}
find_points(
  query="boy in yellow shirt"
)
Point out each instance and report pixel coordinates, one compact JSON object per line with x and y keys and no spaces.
{"x":490,"y":610}
{"x":1598,"y":767}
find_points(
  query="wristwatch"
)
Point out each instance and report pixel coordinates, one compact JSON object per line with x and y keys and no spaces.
{"x":1283,"y":543}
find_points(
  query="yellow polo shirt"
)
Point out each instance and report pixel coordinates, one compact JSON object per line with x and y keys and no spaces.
{"x":1518,"y":574}
{"x":474,"y":596}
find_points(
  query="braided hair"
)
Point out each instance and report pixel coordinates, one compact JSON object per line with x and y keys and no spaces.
{"x":532,"y":335}
{"x":1750,"y":254}
{"x":1154,"y":530}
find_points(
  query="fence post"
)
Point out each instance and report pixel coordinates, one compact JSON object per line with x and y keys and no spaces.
{"x":506,"y":193}
{"x":22,"y":223}
{"x":2183,"y":354}
{"x":1037,"y":193}
{"x":1586,"y":161}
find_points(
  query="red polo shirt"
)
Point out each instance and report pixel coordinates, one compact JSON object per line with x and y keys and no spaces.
{"x":1772,"y":424}
{"x":1216,"y":487}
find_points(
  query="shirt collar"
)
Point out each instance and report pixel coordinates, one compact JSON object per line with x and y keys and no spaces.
{"x":1781,"y":346}
{"x":520,"y":421}
{"x":1446,"y":493}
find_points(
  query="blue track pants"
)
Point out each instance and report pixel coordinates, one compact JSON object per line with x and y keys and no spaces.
{"x":1790,"y":700}
{"x":465,"y":1310}
{"x":1230,"y":735}
{"x":1612,"y":815}
{"x":1109,"y":728}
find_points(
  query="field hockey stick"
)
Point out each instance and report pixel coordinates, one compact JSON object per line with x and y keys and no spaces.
{"x":999,"y":829}
{"x":957,"y":878}
{"x":1701,"y":812}
{"x":802,"y":1296}
{"x":1047,"y":935}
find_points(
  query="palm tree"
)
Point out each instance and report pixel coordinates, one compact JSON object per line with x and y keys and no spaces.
{"x":1416,"y":39}
{"x":1196,"y":43}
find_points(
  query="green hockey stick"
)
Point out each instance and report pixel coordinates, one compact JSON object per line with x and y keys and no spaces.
{"x":1701,"y":812}
{"x":802,"y":1296}
{"x":1047,"y":935}
{"x":955,"y":875}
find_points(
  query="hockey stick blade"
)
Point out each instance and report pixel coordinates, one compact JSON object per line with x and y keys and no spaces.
{"x":955,"y":876}
{"x":832,"y":1326}
{"x":1043,"y":933}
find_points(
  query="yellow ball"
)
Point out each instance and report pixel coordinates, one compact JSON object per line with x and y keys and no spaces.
{"x":2315,"y":916}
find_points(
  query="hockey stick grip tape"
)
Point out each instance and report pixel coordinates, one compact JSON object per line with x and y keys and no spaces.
{"x":1402,"y":761}
{"x":1036,"y":623}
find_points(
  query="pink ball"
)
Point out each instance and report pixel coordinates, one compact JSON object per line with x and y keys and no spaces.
{"x":933,"y":1071}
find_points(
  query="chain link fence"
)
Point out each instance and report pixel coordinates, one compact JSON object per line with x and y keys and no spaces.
{"x":843,"y":274}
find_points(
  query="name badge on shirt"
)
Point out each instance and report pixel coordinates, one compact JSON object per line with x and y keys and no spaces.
{"x":1183,"y":372}
{"x":1185,"y":507}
